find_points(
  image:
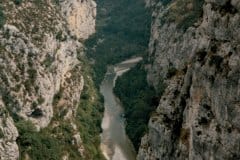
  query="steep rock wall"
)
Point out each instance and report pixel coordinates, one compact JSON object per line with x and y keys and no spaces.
{"x":40,"y":70}
{"x":198,"y":58}
{"x":80,"y":16}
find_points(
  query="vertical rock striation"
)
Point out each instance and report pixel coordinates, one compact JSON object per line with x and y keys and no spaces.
{"x":39,"y":50}
{"x":80,"y":16}
{"x":194,"y":47}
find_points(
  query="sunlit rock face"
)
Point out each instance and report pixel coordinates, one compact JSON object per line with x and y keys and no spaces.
{"x":80,"y":16}
{"x":198,"y":114}
{"x":39,"y":53}
{"x":8,"y":136}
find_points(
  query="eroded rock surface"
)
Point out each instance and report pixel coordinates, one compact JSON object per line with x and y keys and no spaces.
{"x":198,"y":114}
{"x":40,"y":70}
{"x":80,"y":15}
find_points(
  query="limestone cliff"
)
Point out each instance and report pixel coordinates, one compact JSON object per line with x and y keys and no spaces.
{"x":80,"y":17}
{"x":40,"y":72}
{"x":194,"y":48}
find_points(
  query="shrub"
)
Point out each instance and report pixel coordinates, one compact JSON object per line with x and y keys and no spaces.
{"x":40,"y":100}
{"x":171,"y":72}
{"x":34,"y":105}
{"x":57,"y":2}
{"x":192,"y":16}
{"x":37,"y":113}
{"x":48,"y":60}
{"x":38,"y":145}
{"x":2,"y":18}
{"x":57,"y":97}
{"x":184,"y":136}
{"x":1,"y":134}
{"x":89,"y":116}
{"x":60,"y":36}
{"x":32,"y":73}
{"x":183,"y":12}
{"x":216,"y":60}
{"x":165,"y":2}
{"x":17,"y":2}
{"x":11,"y":103}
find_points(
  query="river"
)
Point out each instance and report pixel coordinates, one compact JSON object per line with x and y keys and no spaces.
{"x":115,"y":144}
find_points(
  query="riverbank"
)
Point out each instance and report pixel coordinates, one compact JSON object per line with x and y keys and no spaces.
{"x":115,"y":144}
{"x":138,"y":99}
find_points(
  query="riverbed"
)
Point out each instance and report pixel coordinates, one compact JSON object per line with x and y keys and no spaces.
{"x":115,"y":144}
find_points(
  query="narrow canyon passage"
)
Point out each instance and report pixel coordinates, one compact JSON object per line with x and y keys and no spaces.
{"x":115,"y":144}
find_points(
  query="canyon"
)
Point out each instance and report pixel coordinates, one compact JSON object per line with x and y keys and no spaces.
{"x":60,"y":60}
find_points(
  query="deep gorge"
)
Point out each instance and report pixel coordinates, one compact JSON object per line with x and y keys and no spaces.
{"x":181,"y":101}
{"x":117,"y":39}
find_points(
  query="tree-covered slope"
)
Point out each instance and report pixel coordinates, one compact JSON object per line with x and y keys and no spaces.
{"x":139,"y":100}
{"x":122,"y":31}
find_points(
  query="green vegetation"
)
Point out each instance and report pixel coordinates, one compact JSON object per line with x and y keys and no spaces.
{"x":49,"y":143}
{"x":32,"y":73}
{"x":38,"y":2}
{"x":1,"y":133}
{"x":89,"y":115}
{"x":57,"y":97}
{"x":183,"y":12}
{"x":53,"y":142}
{"x":2,"y":17}
{"x":38,"y":145}
{"x":17,"y":2}
{"x":40,"y":100}
{"x":60,"y":36}
{"x":171,"y":72}
{"x":122,"y":31}
{"x":48,"y":61}
{"x":216,"y":60}
{"x":165,"y":2}
{"x":57,"y":2}
{"x":11,"y":103}
{"x":139,"y":101}
{"x":56,"y":139}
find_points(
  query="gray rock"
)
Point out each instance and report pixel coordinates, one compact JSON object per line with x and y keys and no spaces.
{"x":38,"y":61}
{"x":198,"y":114}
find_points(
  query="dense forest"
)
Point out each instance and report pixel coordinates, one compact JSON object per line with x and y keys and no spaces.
{"x":121,"y":32}
{"x":139,"y":101}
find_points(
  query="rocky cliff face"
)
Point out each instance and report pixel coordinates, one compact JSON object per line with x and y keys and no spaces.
{"x":194,"y":48}
{"x":80,"y":16}
{"x":40,"y":71}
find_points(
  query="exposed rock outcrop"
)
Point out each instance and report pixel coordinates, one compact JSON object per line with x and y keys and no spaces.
{"x":8,"y":136}
{"x":197,"y":54}
{"x":80,"y":15}
{"x":40,"y":71}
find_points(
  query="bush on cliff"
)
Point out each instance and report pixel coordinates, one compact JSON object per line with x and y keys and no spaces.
{"x":2,"y":17}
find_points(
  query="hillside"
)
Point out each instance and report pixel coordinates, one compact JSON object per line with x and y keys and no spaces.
{"x":43,"y":73}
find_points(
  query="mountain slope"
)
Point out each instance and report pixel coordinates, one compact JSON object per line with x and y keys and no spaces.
{"x":42,"y":77}
{"x":194,"y":47}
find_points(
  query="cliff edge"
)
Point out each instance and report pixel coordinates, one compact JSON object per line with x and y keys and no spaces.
{"x":41,"y":74}
{"x":194,"y":48}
